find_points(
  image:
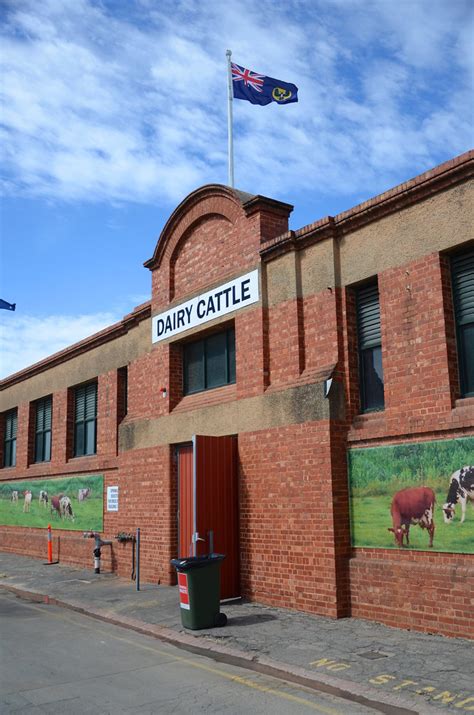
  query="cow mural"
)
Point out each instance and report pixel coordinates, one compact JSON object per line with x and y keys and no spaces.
{"x":461,"y":489}
{"x":423,"y":483}
{"x":409,"y":507}
{"x":72,"y":502}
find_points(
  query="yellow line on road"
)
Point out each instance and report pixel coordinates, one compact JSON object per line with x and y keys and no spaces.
{"x":195,"y":664}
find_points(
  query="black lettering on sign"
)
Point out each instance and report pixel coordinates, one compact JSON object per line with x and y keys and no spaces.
{"x":160,"y":326}
{"x":189,"y":310}
{"x":201,"y":308}
{"x":210,"y":306}
{"x":245,"y":289}
{"x":235,"y":300}
{"x":168,"y":325}
{"x":226,"y":292}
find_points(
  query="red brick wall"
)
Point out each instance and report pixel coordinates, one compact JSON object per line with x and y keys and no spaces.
{"x":287,"y":522}
{"x":415,"y":590}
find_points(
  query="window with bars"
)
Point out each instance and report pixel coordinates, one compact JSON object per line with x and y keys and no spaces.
{"x":85,"y":420}
{"x":370,"y":349}
{"x":9,"y":446}
{"x":43,"y":429}
{"x":462,"y":274}
{"x":209,"y":362}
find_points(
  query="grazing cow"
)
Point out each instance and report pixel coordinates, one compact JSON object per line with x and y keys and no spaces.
{"x":412,"y":506}
{"x":83,"y":494}
{"x":28,"y":498}
{"x":65,"y":507}
{"x":56,"y":505}
{"x":43,"y":497}
{"x":461,"y":488}
{"x":15,"y":496}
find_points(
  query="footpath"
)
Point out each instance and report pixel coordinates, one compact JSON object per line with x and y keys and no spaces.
{"x":390,"y":670}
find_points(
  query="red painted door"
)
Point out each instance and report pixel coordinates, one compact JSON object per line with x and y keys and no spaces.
{"x":185,"y":500}
{"x":217,"y":506}
{"x":208,"y":504}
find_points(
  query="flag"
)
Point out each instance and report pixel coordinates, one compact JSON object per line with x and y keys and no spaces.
{"x":7,"y":306}
{"x":259,"y":89}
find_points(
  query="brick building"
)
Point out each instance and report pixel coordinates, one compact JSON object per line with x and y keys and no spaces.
{"x":297,"y":349}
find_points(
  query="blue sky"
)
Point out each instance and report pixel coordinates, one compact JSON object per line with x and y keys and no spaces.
{"x":113,"y":111}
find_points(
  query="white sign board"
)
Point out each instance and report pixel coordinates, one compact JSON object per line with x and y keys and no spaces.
{"x":236,"y":294}
{"x":112,"y":498}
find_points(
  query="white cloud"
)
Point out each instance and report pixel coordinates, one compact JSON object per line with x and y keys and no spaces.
{"x":24,"y":340}
{"x":129,"y":104}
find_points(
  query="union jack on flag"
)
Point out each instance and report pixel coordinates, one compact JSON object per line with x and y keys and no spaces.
{"x":250,"y":79}
{"x":260,"y":89}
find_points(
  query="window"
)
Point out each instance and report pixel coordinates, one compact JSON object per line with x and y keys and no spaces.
{"x":370,"y":349}
{"x":122,"y":396}
{"x":462,"y":272}
{"x":43,"y":430}
{"x":9,"y":453}
{"x":85,"y":420}
{"x":209,"y":362}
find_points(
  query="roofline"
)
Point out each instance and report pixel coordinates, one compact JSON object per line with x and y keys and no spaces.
{"x":129,"y":321}
{"x":421,"y":187}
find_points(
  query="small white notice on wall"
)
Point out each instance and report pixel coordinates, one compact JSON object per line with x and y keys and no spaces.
{"x":112,"y":498}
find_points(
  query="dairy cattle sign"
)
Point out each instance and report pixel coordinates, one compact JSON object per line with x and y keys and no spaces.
{"x":236,"y":294}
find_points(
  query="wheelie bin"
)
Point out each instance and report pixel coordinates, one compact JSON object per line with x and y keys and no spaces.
{"x":199,"y":591}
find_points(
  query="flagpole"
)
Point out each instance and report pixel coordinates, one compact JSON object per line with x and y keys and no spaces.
{"x":230,"y":138}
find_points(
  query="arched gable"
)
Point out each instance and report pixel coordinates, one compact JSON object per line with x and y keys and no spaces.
{"x":198,"y":242}
{"x":212,"y":199}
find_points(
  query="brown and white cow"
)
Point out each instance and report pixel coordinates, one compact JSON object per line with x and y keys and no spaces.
{"x":28,"y":497}
{"x":65,"y":508}
{"x":461,"y":489}
{"x":414,"y":505}
{"x":56,"y":505}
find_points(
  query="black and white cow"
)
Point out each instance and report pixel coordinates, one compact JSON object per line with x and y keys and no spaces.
{"x":461,"y":488}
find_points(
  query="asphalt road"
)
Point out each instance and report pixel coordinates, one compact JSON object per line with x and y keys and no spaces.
{"x":57,"y":661}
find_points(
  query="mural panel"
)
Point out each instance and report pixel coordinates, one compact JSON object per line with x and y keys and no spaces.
{"x":75,"y":503}
{"x":389,"y":504}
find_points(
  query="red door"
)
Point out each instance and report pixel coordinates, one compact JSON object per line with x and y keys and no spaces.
{"x":185,"y":500}
{"x":208,"y":504}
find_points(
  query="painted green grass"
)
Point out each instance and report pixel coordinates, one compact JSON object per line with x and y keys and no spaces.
{"x":88,"y":514}
{"x":371,"y":518}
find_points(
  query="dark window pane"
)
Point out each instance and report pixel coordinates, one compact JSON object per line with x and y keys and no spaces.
{"x":8,"y":455}
{"x":9,"y":446}
{"x":372,"y":379}
{"x":194,"y":367}
{"x":47,"y":447}
{"x":39,"y":448}
{"x":90,"y":437}
{"x":467,"y":359}
{"x":47,"y":413}
{"x":79,"y":440}
{"x":43,"y":430}
{"x":216,"y":360}
{"x":80,"y":404}
{"x":231,"y":355}
{"x":91,"y":401}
